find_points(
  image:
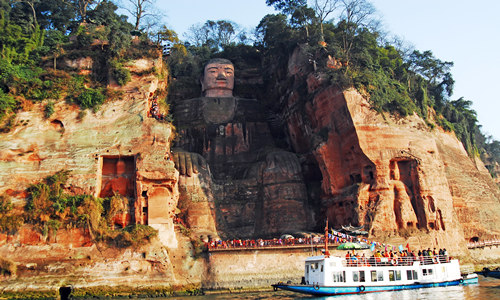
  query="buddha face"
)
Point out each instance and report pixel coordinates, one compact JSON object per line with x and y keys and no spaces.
{"x":218,"y":79}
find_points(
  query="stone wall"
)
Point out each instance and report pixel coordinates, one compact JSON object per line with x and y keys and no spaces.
{"x":257,"y":268}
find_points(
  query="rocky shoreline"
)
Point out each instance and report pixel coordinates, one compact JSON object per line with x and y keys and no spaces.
{"x":249,"y":271}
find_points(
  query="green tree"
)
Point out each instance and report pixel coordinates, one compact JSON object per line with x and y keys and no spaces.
{"x":24,"y":11}
{"x":16,"y":42}
{"x":273,"y":31}
{"x":170,"y":40}
{"x":56,"y":15}
{"x":213,"y":34}
{"x":356,"y":15}
{"x":7,"y":104}
{"x":297,"y":10}
{"x":435,"y":72}
{"x":83,"y":6}
{"x":55,"y":41}
{"x":49,"y":109}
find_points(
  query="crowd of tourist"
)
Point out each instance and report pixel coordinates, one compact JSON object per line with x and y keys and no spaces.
{"x":154,"y":111}
{"x":250,"y":243}
{"x":404,"y":257}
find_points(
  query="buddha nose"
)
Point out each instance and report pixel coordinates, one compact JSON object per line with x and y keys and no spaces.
{"x":221,"y":76}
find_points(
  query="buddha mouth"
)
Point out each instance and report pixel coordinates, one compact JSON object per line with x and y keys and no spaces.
{"x":221,"y":82}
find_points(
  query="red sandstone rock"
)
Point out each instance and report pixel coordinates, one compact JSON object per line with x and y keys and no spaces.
{"x":390,"y":175}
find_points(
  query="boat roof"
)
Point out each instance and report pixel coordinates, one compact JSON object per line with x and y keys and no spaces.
{"x":321,"y":257}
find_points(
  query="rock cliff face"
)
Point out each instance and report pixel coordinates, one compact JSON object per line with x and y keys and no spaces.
{"x":119,"y":148}
{"x":403,"y":181}
{"x":395,"y":176}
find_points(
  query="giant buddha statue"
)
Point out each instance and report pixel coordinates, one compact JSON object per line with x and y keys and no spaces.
{"x":234,"y":181}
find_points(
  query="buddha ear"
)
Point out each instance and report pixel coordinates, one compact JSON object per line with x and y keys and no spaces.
{"x":202,"y":85}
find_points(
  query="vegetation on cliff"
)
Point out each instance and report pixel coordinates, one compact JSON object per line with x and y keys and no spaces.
{"x":50,"y":208}
{"x":37,"y":39}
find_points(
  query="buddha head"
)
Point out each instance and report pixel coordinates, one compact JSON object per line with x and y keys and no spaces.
{"x":218,"y":78}
{"x":120,"y":167}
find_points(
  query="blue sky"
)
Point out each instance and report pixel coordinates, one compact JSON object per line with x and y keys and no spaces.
{"x":461,"y":31}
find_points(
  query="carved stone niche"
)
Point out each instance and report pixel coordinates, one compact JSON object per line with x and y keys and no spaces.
{"x":118,"y":178}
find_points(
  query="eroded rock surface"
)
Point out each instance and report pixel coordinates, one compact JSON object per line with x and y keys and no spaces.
{"x":403,"y":181}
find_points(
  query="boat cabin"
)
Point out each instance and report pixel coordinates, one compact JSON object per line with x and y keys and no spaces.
{"x":338,"y":271}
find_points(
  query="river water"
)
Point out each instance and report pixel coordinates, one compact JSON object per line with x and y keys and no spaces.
{"x":487,"y":289}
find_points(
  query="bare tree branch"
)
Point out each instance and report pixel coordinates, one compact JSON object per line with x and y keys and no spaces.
{"x":143,"y":11}
{"x":323,"y":8}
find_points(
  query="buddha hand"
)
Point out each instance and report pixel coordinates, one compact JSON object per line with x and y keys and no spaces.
{"x":188,"y":163}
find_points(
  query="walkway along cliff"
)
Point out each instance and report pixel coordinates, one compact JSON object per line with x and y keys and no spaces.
{"x":404,"y":182}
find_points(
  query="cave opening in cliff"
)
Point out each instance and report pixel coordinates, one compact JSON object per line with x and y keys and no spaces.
{"x":118,"y":178}
{"x":405,"y":171}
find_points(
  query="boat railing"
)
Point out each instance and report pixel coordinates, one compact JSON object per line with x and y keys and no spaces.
{"x":355,"y":261}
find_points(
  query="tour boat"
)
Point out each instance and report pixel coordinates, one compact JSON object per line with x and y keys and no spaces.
{"x":326,"y":275}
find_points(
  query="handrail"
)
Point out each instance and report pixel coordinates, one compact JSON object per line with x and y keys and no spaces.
{"x":268,"y":243}
{"x":394,"y":261}
{"x":483,"y":244}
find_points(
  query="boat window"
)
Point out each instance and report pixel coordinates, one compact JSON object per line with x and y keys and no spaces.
{"x":307,"y":269}
{"x":427,"y":272}
{"x":380,"y":276}
{"x":396,"y":275}
{"x":391,"y":275}
{"x":322,"y":268}
{"x":339,"y":276}
{"x":408,"y":275}
{"x":377,"y":276}
{"x":358,"y":276}
{"x":362,"y":276}
{"x":411,"y":275}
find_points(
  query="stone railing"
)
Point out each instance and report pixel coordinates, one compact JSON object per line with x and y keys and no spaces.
{"x":483,"y":244}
